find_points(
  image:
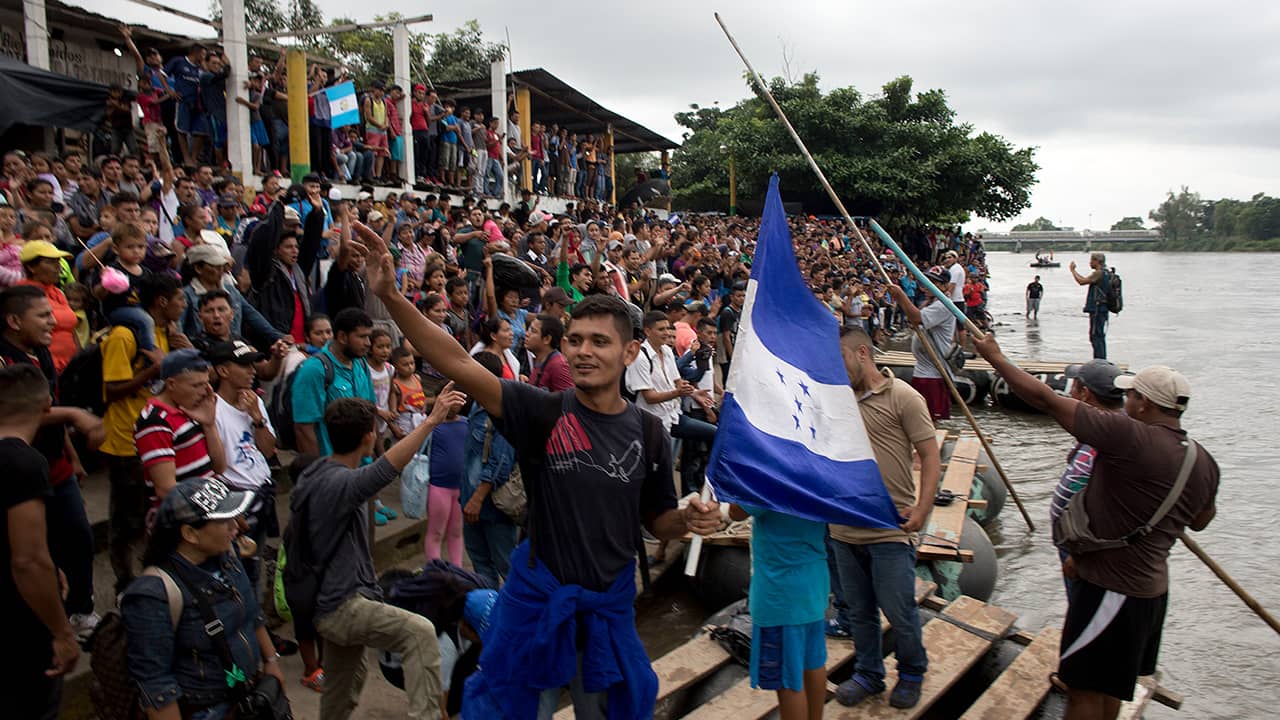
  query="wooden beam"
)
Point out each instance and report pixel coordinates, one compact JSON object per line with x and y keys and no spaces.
{"x":1018,"y":691}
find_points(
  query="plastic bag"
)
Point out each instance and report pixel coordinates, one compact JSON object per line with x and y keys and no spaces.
{"x":415,"y":480}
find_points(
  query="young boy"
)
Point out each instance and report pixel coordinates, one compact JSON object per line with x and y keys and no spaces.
{"x":125,"y":308}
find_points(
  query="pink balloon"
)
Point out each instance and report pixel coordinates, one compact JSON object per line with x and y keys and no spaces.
{"x":114,"y":281}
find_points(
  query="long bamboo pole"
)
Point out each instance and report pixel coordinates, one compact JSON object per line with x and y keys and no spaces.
{"x":822,"y":178}
{"x":1230,"y":582}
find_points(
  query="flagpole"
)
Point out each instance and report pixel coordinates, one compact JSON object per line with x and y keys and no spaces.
{"x":822,"y":178}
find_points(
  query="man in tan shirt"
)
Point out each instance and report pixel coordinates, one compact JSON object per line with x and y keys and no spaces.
{"x":876,"y":567}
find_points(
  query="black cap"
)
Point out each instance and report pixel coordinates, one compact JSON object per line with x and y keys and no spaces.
{"x":237,"y":351}
{"x":193,"y":501}
{"x":1099,"y":376}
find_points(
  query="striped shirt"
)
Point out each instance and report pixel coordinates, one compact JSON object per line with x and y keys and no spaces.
{"x":166,"y":434}
{"x":1073,"y":480}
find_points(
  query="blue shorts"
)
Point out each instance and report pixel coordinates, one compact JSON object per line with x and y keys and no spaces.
{"x":781,"y":653}
{"x":258,"y":133}
{"x":217,"y":129}
{"x":397,"y":148}
{"x":187,"y":119}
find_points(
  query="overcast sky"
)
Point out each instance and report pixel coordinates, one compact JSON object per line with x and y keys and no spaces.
{"x":1125,"y":100}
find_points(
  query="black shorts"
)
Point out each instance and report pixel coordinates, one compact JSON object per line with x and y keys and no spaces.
{"x":1109,"y":639}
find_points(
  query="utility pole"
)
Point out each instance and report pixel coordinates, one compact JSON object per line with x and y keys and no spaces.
{"x":400,"y":43}
{"x":239,"y":146}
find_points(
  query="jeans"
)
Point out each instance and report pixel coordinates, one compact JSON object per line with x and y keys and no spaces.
{"x":586,"y":706}
{"x":539,"y":174}
{"x":494,"y":174}
{"x":137,"y":320}
{"x":361,"y":622}
{"x":346,"y":161}
{"x":128,"y":513}
{"x":71,"y":544}
{"x":363,"y":164}
{"x":421,"y":143}
{"x":1098,"y":332}
{"x":477,"y":165}
{"x":489,"y":544}
{"x":881,"y":577}
{"x":843,"y":616}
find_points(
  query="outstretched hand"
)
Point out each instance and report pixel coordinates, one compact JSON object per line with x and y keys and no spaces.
{"x":447,"y":402}
{"x":380,"y":268}
{"x":986,"y":345}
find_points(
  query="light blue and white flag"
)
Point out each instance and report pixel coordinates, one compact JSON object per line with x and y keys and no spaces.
{"x":343,"y":108}
{"x":791,"y":437}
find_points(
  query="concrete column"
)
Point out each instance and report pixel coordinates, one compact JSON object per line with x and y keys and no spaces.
{"x":498,"y":88}
{"x":239,"y":147}
{"x":35,"y":28}
{"x":526,"y":125}
{"x":400,"y":45}
{"x":299,"y":127}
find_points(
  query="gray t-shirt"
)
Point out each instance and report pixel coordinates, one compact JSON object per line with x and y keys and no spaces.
{"x":940,"y":325}
{"x":433,"y":128}
{"x":336,"y":498}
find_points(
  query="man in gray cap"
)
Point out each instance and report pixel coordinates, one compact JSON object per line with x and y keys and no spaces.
{"x":1095,"y":302}
{"x":1120,"y":593}
{"x":176,"y":432}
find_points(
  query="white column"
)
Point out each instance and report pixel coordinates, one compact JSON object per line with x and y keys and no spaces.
{"x":498,"y":85}
{"x":400,"y":45}
{"x":239,"y":147}
{"x":36,"y":30}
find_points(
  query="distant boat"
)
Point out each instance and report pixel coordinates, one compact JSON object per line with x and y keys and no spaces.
{"x":1045,"y":261}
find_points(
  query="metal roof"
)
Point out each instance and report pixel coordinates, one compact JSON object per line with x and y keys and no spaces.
{"x":555,"y":101}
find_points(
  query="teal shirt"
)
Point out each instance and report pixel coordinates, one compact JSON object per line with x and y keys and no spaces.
{"x":310,"y":396}
{"x":789,"y":580}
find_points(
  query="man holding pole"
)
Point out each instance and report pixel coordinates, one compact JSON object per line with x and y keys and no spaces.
{"x":1119,"y":595}
{"x":939,"y":328}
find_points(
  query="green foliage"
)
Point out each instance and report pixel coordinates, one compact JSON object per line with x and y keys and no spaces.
{"x":624,"y":176}
{"x":1128,"y":223}
{"x":1179,"y":215}
{"x":1043,"y":224}
{"x":370,"y":53}
{"x":462,"y":54}
{"x":897,"y":155}
{"x":1191,"y":223}
{"x":260,"y":16}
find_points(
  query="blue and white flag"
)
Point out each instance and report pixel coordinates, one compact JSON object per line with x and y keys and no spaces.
{"x":791,"y":437}
{"x":343,"y":108}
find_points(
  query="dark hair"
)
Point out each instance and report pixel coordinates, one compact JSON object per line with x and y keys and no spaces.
{"x":349,"y":319}
{"x":212,"y":295}
{"x":348,"y":420}
{"x":856,"y":335}
{"x":653,"y":317}
{"x":615,"y":307}
{"x":430,"y":301}
{"x":309,"y":324}
{"x":380,"y":332}
{"x":706,"y":322}
{"x":490,"y":362}
{"x":18,"y":300}
{"x":124,"y":197}
{"x":400,"y":352}
{"x":489,"y":328}
{"x":32,"y":185}
{"x":577,"y":268}
{"x":127,"y":231}
{"x":154,"y":287}
{"x":454,"y":283}
{"x":552,"y":327}
{"x":187,"y":212}
{"x":162,"y":544}
{"x":23,"y":388}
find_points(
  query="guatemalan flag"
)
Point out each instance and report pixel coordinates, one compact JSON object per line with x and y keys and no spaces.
{"x":791,"y":437}
{"x":343,"y":108}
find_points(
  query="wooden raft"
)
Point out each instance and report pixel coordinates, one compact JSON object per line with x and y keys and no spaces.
{"x":899,"y":358}
{"x":940,"y":539}
{"x":1020,"y":688}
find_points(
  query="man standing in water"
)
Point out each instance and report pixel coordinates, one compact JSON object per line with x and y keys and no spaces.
{"x":1095,"y":302}
{"x":1034,"y":292}
{"x":1119,"y":596}
{"x":595,"y":467}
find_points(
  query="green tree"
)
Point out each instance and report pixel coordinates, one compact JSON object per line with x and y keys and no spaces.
{"x":260,"y":16}
{"x":1128,"y":223}
{"x":1042,"y":224}
{"x":897,"y":155}
{"x":462,"y":54}
{"x":369,"y":53}
{"x":1179,"y":215}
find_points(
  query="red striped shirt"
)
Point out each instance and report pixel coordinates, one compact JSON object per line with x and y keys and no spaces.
{"x":163,"y":433}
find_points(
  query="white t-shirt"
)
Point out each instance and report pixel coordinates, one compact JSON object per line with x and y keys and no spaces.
{"x":168,"y":216}
{"x":661,"y":378}
{"x":940,"y":326}
{"x":957,"y":283}
{"x":246,"y":465}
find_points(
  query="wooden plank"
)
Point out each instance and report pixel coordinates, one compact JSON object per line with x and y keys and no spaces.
{"x":1143,"y":691}
{"x":940,"y":552}
{"x":1168,"y":698}
{"x":898,"y":358}
{"x":952,"y":651}
{"x":742,"y":702}
{"x":1022,"y":686}
{"x":947,"y":522}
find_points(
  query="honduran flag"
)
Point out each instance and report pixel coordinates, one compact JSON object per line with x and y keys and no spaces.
{"x":791,"y":437}
{"x":343,"y":108}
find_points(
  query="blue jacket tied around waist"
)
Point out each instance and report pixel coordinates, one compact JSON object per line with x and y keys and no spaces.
{"x":531,"y":645}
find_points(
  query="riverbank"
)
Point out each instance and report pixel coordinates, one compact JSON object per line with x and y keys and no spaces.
{"x":1212,"y":244}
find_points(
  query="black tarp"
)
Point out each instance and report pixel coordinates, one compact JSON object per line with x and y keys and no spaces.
{"x":31,"y":96}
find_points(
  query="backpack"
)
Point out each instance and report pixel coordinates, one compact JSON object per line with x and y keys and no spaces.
{"x":112,"y":690}
{"x":80,"y":383}
{"x":1113,"y":291}
{"x":304,"y":572}
{"x":281,"y":409}
{"x":627,"y":392}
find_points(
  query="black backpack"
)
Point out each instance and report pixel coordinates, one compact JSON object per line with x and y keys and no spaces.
{"x":304,"y":572}
{"x":1113,"y":290}
{"x":113,"y":691}
{"x":80,"y":383}
{"x":627,"y":392}
{"x":281,"y":408}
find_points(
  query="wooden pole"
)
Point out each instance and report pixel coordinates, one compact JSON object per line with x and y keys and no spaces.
{"x":924,"y":340}
{"x":1230,"y":582}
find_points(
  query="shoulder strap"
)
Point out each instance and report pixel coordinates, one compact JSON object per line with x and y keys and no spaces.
{"x":235,"y":675}
{"x":488,"y":440}
{"x":171,"y":592}
{"x":651,"y":436}
{"x":1188,"y":462}
{"x":328,"y":369}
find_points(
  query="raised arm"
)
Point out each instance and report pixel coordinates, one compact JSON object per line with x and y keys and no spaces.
{"x":432,"y":342}
{"x":908,"y":308}
{"x":1026,"y":386}
{"x":490,"y":293}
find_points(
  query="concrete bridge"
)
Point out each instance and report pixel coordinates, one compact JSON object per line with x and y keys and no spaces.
{"x":1062,"y":239}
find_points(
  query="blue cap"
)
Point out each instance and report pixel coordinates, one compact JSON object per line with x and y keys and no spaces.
{"x":477,"y":609}
{"x":180,"y":361}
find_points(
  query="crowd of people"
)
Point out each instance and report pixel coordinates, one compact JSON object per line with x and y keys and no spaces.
{"x":182,"y":102}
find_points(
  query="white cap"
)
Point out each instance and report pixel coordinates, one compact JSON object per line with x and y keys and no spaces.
{"x":1161,"y":385}
{"x":335,"y":194}
{"x":364,"y":195}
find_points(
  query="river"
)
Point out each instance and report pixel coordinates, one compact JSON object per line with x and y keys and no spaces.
{"x":1194,"y":312}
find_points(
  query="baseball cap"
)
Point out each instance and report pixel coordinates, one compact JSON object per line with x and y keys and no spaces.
{"x":208,"y":254}
{"x":477,"y":608}
{"x":364,"y":195}
{"x":1099,"y":376}
{"x":419,"y":86}
{"x":228,"y":200}
{"x":696,"y":306}
{"x":374,"y":216}
{"x":555,"y":296}
{"x":193,"y":501}
{"x":335,"y":194}
{"x":937,"y":274}
{"x":1160,"y":384}
{"x":40,"y":249}
{"x":291,"y":214}
{"x":236,"y":351}
{"x":668,"y":278}
{"x":537,"y":217}
{"x":180,"y":361}
{"x":615,"y":245}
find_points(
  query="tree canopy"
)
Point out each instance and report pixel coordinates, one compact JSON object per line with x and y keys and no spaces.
{"x":1042,"y":224}
{"x":897,"y":155}
{"x":1129,"y":222}
{"x":1190,"y":222}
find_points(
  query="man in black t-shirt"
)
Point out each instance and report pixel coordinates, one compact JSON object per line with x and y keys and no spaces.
{"x":40,"y":644}
{"x":590,"y":477}
{"x":1034,"y":292}
{"x":727,"y":326}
